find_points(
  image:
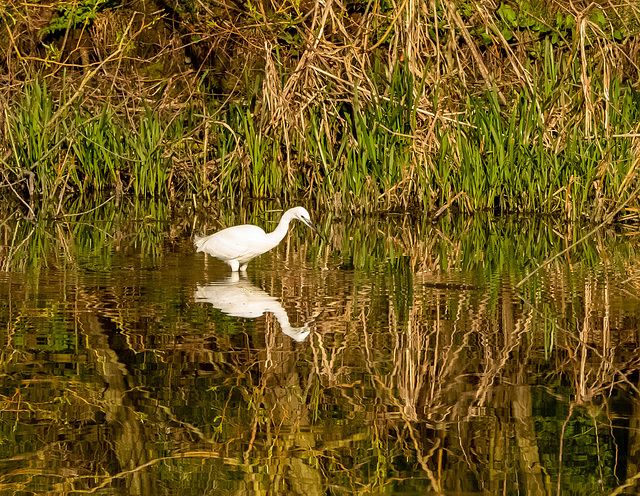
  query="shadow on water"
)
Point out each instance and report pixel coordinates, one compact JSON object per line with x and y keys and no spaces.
{"x":132,"y":365}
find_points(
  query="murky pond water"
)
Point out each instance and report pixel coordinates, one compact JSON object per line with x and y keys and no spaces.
{"x":397,"y":356}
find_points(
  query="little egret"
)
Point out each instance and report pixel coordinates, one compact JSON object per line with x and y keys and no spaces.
{"x":238,"y":245}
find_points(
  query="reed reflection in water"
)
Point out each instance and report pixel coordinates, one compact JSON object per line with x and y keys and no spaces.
{"x":429,"y":370}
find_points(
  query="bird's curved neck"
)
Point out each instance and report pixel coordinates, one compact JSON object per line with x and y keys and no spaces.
{"x":280,"y":232}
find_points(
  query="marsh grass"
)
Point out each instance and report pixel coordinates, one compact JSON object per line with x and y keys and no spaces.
{"x":364,"y":157}
{"x":529,"y":116}
{"x":85,"y":150}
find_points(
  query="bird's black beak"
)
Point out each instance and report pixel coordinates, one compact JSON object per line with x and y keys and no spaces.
{"x":315,"y":229}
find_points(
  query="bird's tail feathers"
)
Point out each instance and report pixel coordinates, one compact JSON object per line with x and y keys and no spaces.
{"x":198,"y":241}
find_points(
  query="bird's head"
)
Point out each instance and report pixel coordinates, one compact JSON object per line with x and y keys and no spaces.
{"x":303,"y":216}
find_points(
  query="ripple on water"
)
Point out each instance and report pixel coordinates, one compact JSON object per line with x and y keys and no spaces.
{"x":369,"y":363}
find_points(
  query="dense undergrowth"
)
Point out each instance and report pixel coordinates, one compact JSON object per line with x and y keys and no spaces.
{"x":509,"y":106}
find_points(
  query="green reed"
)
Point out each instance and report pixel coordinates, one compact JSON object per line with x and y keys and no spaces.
{"x":537,"y":153}
{"x":363,"y":150}
{"x":511,"y":162}
{"x":264,"y":172}
{"x":151,"y":168}
{"x":35,"y":145}
{"x":83,"y":149}
{"x":98,"y":149}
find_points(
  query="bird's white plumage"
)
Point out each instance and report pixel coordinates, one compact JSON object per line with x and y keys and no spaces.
{"x":238,"y":245}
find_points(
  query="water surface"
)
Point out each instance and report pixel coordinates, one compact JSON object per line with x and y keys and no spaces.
{"x":398,"y":356}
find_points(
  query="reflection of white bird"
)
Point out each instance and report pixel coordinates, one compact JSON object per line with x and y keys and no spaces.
{"x":238,"y":297}
{"x":238,"y":245}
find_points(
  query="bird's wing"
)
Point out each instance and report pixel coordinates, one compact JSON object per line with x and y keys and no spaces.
{"x":230,"y":243}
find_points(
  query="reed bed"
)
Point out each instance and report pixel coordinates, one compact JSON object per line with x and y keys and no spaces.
{"x":510,"y":108}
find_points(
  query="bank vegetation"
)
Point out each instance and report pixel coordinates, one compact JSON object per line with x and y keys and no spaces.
{"x":430,"y":105}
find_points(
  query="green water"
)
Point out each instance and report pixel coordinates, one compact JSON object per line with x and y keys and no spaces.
{"x":396,"y":356}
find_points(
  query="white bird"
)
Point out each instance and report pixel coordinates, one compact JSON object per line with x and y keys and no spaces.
{"x":238,"y":245}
